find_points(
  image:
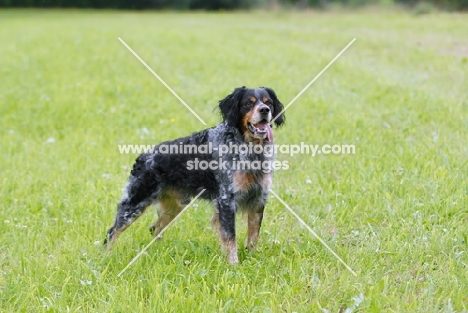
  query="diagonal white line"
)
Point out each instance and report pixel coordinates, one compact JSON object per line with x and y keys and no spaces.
{"x":313,"y":80}
{"x":314,"y":233}
{"x":159,"y":235}
{"x":162,"y":81}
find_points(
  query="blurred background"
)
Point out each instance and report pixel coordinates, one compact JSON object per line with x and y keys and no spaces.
{"x":396,"y":211}
{"x":421,"y":6}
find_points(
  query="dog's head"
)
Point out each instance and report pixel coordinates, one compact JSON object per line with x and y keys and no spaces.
{"x":252,"y":111}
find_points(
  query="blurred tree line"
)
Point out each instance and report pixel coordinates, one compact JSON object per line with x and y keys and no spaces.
{"x":225,"y":4}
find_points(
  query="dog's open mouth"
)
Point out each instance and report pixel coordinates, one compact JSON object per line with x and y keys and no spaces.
{"x":261,"y":130}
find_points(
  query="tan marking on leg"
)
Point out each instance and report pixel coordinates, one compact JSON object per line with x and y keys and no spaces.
{"x":169,"y":207}
{"x":254,"y":221}
{"x":230,"y":247}
{"x":215,"y":221}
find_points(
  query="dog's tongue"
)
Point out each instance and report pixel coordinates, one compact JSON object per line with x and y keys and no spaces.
{"x":265,"y":127}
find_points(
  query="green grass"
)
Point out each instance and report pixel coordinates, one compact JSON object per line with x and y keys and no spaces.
{"x":396,"y":211}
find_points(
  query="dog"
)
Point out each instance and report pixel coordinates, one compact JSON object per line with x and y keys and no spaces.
{"x":171,"y":180}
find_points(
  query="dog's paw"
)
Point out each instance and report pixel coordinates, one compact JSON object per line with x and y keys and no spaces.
{"x":152,"y":230}
{"x":233,"y":259}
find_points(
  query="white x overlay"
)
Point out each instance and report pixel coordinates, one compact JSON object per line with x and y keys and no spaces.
{"x":274,"y":193}
{"x":313,"y":232}
{"x":160,"y":233}
{"x":162,"y":81}
{"x":313,"y":80}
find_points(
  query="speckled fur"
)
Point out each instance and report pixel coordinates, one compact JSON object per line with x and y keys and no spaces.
{"x":165,"y":178}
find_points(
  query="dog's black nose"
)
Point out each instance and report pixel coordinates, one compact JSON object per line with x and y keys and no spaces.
{"x":264,"y":110}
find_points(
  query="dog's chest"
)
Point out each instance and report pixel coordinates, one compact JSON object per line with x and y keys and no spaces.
{"x":246,"y":182}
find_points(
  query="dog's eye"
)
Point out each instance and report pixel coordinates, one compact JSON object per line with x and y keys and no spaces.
{"x":269,"y":103}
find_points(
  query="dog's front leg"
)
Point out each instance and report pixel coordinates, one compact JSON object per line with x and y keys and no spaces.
{"x":254,"y":221}
{"x":227,"y":226}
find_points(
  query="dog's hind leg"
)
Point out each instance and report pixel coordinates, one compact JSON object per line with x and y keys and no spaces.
{"x":169,"y":207}
{"x":141,"y":191}
{"x":126,"y":215}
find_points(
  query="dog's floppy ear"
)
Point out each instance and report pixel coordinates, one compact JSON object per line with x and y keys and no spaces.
{"x":230,"y":107}
{"x":277,"y":107}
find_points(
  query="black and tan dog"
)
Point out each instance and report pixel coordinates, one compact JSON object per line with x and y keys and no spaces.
{"x":166,"y":179}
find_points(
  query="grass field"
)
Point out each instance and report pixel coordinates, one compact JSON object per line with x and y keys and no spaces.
{"x":395,"y":211}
